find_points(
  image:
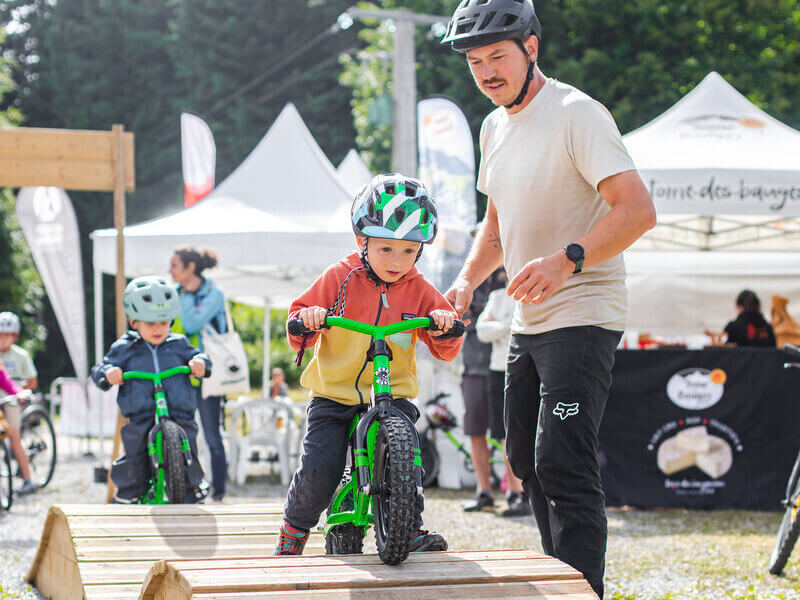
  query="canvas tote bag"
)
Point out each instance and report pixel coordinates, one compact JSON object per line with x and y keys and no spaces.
{"x":230,"y":373}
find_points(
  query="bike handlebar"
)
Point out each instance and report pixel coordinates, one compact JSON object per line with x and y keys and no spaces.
{"x":153,"y":376}
{"x":297,"y":327}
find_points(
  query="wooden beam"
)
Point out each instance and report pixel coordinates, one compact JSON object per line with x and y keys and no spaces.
{"x":65,"y":158}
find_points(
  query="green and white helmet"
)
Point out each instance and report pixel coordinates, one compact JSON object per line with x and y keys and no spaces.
{"x":151,"y":298}
{"x":396,"y":207}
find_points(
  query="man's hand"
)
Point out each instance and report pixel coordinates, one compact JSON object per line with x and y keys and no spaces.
{"x":443,"y":319}
{"x":114,"y":376}
{"x":198,"y":367}
{"x":313,"y":317}
{"x":541,"y":278}
{"x":459,"y":295}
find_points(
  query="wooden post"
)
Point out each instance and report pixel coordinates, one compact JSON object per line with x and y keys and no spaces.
{"x":118,"y":154}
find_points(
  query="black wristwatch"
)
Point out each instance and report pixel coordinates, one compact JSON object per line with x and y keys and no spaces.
{"x":576,"y":254}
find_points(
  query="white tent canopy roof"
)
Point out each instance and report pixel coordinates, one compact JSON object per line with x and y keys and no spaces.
{"x":276,"y":222}
{"x":353,"y":172}
{"x":714,"y":152}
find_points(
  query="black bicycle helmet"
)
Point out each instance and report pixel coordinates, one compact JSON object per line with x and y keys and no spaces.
{"x":477,"y":23}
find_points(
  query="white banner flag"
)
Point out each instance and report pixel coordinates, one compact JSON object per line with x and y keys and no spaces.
{"x":447,"y":168}
{"x":47,"y":218}
{"x":199,"y":156}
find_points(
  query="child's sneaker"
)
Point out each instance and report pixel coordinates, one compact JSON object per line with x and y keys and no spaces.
{"x":290,"y":542}
{"x":483,"y":501}
{"x":422,"y":541}
{"x":27,"y":488}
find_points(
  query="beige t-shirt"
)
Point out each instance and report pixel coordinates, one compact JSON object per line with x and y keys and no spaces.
{"x":541,"y":167}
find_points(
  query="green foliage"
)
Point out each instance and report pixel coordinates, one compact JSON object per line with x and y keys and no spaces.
{"x":249,"y":323}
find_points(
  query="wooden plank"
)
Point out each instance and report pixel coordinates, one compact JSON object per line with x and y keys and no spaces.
{"x":55,"y":572}
{"x":200,"y":527}
{"x":110,"y":549}
{"x":378,"y":576}
{"x":129,"y":510}
{"x":113,"y":592}
{"x":71,"y":159}
{"x":527,"y":590}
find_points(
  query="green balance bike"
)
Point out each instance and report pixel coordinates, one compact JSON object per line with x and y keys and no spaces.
{"x":384,"y":454}
{"x":167,"y":445}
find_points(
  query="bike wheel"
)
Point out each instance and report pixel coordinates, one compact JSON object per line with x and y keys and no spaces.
{"x":346,"y":538}
{"x":430,"y":461}
{"x":39,"y":442}
{"x":394,"y":490}
{"x":174,"y":465}
{"x":6,"y":476}
{"x":789,"y":529}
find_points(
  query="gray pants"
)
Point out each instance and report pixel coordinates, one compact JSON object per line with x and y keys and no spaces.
{"x":557,"y":385}
{"x":323,"y":460}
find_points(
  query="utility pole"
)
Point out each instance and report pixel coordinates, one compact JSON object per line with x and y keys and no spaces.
{"x":404,"y":135}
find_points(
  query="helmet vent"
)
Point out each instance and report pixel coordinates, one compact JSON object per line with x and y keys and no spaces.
{"x":390,"y":189}
{"x":400,"y":214}
{"x":168,"y":295}
{"x":411,"y":189}
{"x":487,"y":20}
{"x":147,"y":298}
{"x":509,"y":20}
{"x":142,"y":284}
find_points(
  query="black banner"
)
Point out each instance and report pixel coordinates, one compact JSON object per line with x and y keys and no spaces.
{"x":716,"y":428}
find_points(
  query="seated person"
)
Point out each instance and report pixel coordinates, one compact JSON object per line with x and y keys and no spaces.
{"x":378,"y":285}
{"x":16,"y":360}
{"x":278,"y":386}
{"x":750,"y":328}
{"x":151,"y":305}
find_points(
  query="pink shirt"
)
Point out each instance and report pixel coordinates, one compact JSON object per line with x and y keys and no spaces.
{"x":8,"y":384}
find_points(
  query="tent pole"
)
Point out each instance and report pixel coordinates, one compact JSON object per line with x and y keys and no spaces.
{"x":265,"y":376}
{"x":98,"y":344}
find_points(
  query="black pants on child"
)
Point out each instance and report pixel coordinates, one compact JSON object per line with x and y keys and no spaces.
{"x":323,"y":460}
{"x":557,"y":385}
{"x":131,"y":472}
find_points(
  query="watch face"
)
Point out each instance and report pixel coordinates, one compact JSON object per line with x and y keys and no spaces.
{"x":575,"y":252}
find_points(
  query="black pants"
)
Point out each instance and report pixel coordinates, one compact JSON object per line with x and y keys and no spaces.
{"x":323,"y":460}
{"x":210,"y":412}
{"x":557,"y":385}
{"x":131,"y":472}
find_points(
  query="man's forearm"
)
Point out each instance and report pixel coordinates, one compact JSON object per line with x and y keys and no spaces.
{"x":486,"y":254}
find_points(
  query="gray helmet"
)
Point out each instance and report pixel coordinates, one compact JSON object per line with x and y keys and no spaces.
{"x":477,"y":23}
{"x":9,"y":322}
{"x":151,"y":299}
{"x":396,"y":207}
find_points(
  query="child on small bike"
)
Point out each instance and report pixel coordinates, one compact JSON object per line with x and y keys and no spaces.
{"x":15,"y":359}
{"x":392,"y":217}
{"x":13,"y":415}
{"x":151,"y":305}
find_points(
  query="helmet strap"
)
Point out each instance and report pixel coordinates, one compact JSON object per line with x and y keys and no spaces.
{"x":365,"y":261}
{"x":528,"y":78}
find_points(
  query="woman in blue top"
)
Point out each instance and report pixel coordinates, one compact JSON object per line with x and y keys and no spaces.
{"x":202,"y":302}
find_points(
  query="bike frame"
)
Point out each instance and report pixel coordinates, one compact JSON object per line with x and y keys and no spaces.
{"x":155,"y":440}
{"x":364,"y":426}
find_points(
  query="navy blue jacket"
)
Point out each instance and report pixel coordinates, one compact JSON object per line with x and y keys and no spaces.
{"x":131,"y":353}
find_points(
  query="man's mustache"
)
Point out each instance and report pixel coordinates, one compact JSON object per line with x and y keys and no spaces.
{"x":488,"y":82}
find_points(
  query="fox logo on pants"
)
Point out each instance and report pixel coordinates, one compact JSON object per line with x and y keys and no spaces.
{"x":565,"y":410}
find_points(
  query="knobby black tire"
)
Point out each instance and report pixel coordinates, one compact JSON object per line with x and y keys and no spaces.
{"x":174,"y":465}
{"x":6,"y":476}
{"x":430,"y":462}
{"x":346,"y":538}
{"x":393,"y":503}
{"x":789,"y":530}
{"x":39,"y":441}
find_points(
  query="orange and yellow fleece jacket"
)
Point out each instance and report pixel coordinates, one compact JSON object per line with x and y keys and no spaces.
{"x":339,"y":366}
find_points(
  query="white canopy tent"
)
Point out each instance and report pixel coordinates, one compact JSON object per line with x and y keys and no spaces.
{"x":276,"y":222}
{"x":724,"y":175}
{"x":353,"y":172}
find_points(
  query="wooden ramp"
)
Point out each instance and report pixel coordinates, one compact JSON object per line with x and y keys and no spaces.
{"x":105,"y":551}
{"x":493,"y":574}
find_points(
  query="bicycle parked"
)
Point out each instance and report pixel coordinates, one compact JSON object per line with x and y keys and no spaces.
{"x":39,"y":441}
{"x":789,"y":529}
{"x":441,"y":418}
{"x":384,"y":451}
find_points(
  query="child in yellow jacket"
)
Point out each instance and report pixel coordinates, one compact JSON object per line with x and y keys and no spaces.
{"x":392,"y":217}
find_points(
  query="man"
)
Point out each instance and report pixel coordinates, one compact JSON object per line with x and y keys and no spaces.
{"x":564,"y":201}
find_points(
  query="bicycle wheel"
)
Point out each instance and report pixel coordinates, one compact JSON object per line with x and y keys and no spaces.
{"x":39,"y":442}
{"x":174,"y":465}
{"x":6,"y":476}
{"x":430,"y":461}
{"x":395,"y":492}
{"x":789,"y":529}
{"x":346,"y":538}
